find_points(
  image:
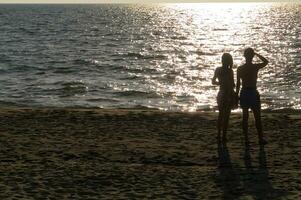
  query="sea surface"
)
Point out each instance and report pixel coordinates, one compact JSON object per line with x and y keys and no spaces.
{"x":158,"y":56}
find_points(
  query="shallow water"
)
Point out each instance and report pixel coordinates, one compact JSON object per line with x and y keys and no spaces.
{"x":144,"y":56}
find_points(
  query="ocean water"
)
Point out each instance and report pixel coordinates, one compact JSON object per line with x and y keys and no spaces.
{"x":159,"y":56}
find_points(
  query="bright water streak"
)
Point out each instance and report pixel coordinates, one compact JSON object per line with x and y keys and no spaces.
{"x":156,"y":56}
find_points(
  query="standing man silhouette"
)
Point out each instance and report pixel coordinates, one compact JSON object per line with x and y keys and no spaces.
{"x":249,"y":96}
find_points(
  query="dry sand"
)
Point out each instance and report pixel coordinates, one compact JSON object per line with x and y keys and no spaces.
{"x":138,"y":154}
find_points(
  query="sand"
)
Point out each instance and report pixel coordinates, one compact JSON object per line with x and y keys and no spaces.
{"x":52,"y":153}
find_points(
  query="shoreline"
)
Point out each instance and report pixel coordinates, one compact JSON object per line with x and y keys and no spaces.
{"x":145,"y":109}
{"x":132,"y":154}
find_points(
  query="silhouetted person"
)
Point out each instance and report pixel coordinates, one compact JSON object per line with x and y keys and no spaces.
{"x":249,"y":96}
{"x":225,"y":97}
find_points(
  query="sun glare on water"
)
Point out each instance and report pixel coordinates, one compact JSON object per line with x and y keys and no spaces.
{"x":215,"y":28}
{"x":203,"y":32}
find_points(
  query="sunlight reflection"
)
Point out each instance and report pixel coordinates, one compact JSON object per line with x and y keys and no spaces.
{"x":213,"y":6}
{"x":219,"y":27}
{"x":190,"y":39}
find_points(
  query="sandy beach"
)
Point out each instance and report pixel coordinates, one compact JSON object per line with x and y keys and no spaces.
{"x":54,"y":153}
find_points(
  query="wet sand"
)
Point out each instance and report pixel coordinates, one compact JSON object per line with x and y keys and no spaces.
{"x":53,"y":153}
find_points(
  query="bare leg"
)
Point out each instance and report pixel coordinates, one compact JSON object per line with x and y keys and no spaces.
{"x":219,"y":122}
{"x":245,"y":117}
{"x":257,"y":116}
{"x":226,"y":121}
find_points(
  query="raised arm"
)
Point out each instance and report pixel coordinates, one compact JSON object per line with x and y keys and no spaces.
{"x":213,"y":81}
{"x":263,"y":59}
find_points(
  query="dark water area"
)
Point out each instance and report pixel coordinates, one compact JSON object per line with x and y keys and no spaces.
{"x":144,"y":56}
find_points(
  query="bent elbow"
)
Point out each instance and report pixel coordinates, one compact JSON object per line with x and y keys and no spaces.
{"x":266,"y":63}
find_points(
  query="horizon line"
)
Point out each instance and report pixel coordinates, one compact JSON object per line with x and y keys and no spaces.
{"x":153,"y":2}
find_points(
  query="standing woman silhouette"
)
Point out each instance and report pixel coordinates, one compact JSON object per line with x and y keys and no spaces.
{"x":226,"y":98}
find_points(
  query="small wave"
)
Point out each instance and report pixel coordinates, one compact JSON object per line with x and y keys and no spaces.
{"x":111,"y":45}
{"x":206,"y":108}
{"x":24,"y":30}
{"x":256,"y":28}
{"x":118,"y":59}
{"x":137,"y":55}
{"x":40,"y":73}
{"x":103,"y":100}
{"x":146,"y":56}
{"x":72,"y":83}
{"x":220,"y":29}
{"x":86,"y":61}
{"x":178,"y":37}
{"x":108,"y":34}
{"x":159,"y":57}
{"x":70,"y":88}
{"x":145,"y":107}
{"x":64,"y":70}
{"x":130,"y":77}
{"x":134,"y":93}
{"x":57,"y":62}
{"x":23,"y":68}
{"x":202,"y":53}
{"x":5,"y":59}
{"x":143,"y":69}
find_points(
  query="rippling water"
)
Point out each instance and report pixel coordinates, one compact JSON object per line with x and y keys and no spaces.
{"x":155,"y":56}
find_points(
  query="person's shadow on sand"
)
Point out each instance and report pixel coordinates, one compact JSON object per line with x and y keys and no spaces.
{"x":228,"y":179}
{"x":245,"y":181}
{"x":256,"y":182}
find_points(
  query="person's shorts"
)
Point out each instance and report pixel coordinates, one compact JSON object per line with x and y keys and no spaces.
{"x":249,"y":98}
